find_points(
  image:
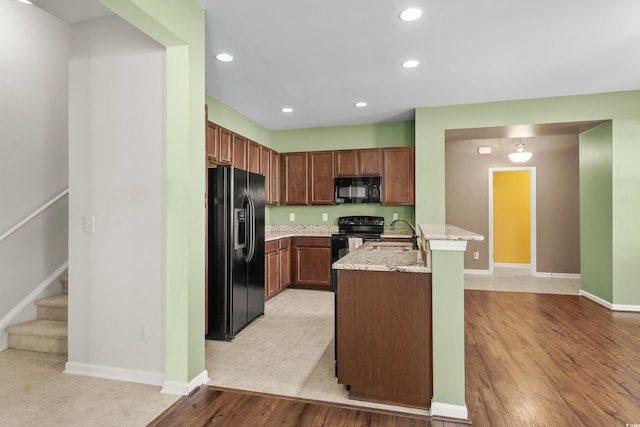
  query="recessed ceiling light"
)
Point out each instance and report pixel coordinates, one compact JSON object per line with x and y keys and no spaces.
{"x":360,"y":104}
{"x":287,"y":110}
{"x":411,"y":63}
{"x":410,"y":14}
{"x":224,"y":57}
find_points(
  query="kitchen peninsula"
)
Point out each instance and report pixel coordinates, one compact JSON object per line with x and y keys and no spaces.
{"x":384,"y":318}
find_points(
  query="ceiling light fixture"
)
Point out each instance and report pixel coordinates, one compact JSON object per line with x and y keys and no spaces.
{"x":520,"y":155}
{"x":410,"y":14}
{"x":287,"y":110}
{"x":224,"y":57}
{"x":360,"y":104}
{"x":24,"y":1}
{"x":411,"y":63}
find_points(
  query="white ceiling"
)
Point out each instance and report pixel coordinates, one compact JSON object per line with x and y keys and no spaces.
{"x":321,"y":56}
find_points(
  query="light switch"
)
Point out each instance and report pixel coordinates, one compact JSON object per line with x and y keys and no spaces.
{"x":395,"y":216}
{"x":89,"y":224}
{"x":292,"y":216}
{"x":325,"y":217}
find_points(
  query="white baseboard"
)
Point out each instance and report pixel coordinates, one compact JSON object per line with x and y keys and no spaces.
{"x":474,"y":271}
{"x":607,"y":304}
{"x":439,"y":409}
{"x":557,"y":275}
{"x":8,"y":318}
{"x":180,"y":388}
{"x":509,"y":265}
{"x":111,"y":373}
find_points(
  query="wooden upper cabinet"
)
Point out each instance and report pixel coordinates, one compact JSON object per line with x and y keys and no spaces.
{"x":365,"y":162}
{"x":370,"y":162}
{"x":265,"y":169}
{"x":274,"y":179}
{"x":213,"y":142}
{"x":225,"y":153}
{"x":253,"y":156}
{"x":321,"y":177}
{"x":398,"y":179}
{"x":293,"y":179}
{"x":239,"y":159}
{"x":346,"y":162}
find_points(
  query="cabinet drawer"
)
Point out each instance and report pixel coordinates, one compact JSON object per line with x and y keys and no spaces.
{"x":323,"y":242}
{"x":271,"y":246}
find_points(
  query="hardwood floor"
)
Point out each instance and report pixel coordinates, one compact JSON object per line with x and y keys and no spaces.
{"x":225,"y":407}
{"x":531,"y":360}
{"x":550,"y":360}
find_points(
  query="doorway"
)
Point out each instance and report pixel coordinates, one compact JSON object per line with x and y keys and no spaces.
{"x":512,"y":217}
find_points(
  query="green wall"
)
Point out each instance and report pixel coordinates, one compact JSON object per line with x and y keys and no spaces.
{"x":396,"y":134}
{"x":621,"y":108}
{"x":312,"y":215}
{"x":596,"y":229}
{"x":179,"y":26}
{"x":227,"y":117}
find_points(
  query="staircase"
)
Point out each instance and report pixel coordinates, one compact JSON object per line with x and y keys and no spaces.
{"x":47,"y":333}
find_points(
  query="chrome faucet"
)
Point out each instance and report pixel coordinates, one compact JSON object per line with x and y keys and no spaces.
{"x":414,"y":236}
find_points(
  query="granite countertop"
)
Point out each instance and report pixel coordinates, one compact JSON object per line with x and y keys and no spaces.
{"x":274,"y":232}
{"x":447,"y":232}
{"x":397,"y":231}
{"x":385,"y":256}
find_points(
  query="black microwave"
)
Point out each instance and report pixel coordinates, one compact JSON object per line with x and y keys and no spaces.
{"x":364,"y":189}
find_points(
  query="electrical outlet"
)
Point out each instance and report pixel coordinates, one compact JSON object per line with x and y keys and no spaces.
{"x":143,"y":332}
{"x":292,"y":216}
{"x":395,"y":216}
{"x":476,"y":255}
{"x":325,"y":217}
{"x":89,"y":223}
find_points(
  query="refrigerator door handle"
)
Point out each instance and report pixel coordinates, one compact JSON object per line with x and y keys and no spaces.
{"x":252,"y":229}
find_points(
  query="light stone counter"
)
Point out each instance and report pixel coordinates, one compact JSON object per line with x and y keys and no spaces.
{"x":274,"y":232}
{"x":385,"y":256}
{"x":447,"y":232}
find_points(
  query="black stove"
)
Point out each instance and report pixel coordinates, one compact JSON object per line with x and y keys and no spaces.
{"x":360,"y":225}
{"x":368,"y":228}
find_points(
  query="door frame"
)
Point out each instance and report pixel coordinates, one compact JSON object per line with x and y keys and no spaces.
{"x":532,"y":213}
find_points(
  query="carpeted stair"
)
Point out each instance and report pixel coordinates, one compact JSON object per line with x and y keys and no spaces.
{"x":47,"y":333}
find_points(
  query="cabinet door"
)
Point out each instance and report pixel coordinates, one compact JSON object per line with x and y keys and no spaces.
{"x":346,"y":162}
{"x":265,"y":169}
{"x":253,"y":156}
{"x":312,"y":261}
{"x":284,"y":255}
{"x":239,"y":159}
{"x":275,"y":178}
{"x":398,"y":185}
{"x":213,"y":142}
{"x":271,"y":268}
{"x":294,"y":189}
{"x":370,"y":162}
{"x":321,"y":177}
{"x":225,"y":152}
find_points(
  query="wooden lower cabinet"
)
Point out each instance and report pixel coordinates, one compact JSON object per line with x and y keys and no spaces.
{"x":271,"y":268}
{"x":284,"y":257}
{"x":277,"y":266}
{"x":311,"y":262}
{"x":383,"y":336}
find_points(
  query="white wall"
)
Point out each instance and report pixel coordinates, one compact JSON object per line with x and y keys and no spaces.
{"x":33,"y":147}
{"x":116,"y":173}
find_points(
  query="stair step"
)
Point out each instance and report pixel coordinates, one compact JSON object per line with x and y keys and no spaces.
{"x":46,"y":336}
{"x":64,"y":281}
{"x":53,"y":308}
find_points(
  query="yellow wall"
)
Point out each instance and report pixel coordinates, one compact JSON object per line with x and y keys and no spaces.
{"x":511,"y":217}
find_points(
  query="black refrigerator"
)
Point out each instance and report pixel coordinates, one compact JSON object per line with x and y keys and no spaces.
{"x":236,"y":251}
